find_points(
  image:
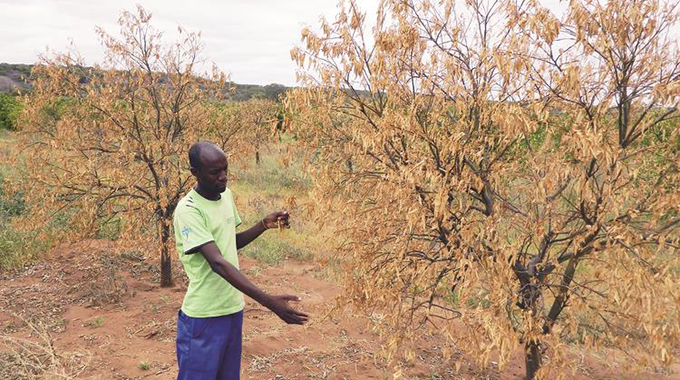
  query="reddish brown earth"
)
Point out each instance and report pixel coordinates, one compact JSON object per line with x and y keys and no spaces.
{"x":108,"y":319}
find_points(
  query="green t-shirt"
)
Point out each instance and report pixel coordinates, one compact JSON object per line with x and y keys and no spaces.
{"x":197,"y":221}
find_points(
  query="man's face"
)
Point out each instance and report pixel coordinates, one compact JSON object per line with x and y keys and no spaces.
{"x":212,"y":175}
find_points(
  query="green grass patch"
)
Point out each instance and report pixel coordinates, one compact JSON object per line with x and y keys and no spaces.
{"x":278,"y":174}
{"x":268,"y":187}
{"x":272,"y":250}
{"x":95,"y":322}
{"x":19,"y":248}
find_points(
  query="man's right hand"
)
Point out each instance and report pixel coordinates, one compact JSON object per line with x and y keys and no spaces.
{"x":279,"y":305}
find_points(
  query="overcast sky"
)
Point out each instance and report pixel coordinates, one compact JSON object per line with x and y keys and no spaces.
{"x":249,"y":39}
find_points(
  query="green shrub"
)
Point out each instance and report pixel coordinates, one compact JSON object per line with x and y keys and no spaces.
{"x":16,"y":247}
{"x":10,"y":108}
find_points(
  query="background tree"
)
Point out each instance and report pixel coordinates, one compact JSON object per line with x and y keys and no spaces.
{"x":494,"y":163}
{"x":252,"y":122}
{"x":110,"y":142}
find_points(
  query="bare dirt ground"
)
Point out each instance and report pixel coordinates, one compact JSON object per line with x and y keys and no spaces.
{"x":91,"y":314}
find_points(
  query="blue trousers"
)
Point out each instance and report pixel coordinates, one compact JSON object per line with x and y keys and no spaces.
{"x":209,"y":348}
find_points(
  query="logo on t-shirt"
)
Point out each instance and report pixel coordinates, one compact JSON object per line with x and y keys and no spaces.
{"x":185,"y":232}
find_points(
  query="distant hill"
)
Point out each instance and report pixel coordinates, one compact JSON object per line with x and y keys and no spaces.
{"x":246,"y":91}
{"x":16,"y":77}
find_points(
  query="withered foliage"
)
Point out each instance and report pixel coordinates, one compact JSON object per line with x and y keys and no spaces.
{"x":503,"y":173}
{"x":252,"y":123}
{"x":109,"y":144}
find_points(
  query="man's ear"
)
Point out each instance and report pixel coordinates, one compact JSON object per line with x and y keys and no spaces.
{"x":194,"y":171}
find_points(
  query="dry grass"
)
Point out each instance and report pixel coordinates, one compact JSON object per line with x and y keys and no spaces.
{"x":102,"y":284}
{"x":29,"y":359}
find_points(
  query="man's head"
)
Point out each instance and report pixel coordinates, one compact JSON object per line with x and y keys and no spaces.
{"x":209,"y":166}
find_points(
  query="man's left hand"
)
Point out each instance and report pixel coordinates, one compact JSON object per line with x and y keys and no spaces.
{"x":277,"y":219}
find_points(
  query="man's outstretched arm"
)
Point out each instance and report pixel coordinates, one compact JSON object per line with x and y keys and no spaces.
{"x":273,"y":220}
{"x":277,"y":304}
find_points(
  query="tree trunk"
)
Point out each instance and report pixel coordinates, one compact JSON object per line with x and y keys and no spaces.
{"x":532,"y":358}
{"x":257,"y":157}
{"x":166,"y":259}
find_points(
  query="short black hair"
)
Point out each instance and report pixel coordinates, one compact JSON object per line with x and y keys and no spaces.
{"x":195,"y":153}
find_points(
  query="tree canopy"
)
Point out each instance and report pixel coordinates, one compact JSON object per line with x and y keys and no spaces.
{"x":505,"y":168}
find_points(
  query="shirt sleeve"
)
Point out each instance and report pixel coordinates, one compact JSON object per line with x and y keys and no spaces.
{"x":237,"y":217}
{"x":193,"y":229}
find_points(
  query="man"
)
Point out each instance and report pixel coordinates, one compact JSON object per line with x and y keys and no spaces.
{"x":210,"y":321}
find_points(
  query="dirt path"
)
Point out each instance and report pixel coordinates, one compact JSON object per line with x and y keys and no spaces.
{"x":108,"y":319}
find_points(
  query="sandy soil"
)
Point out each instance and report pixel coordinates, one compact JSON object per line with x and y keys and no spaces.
{"x":102,"y":316}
